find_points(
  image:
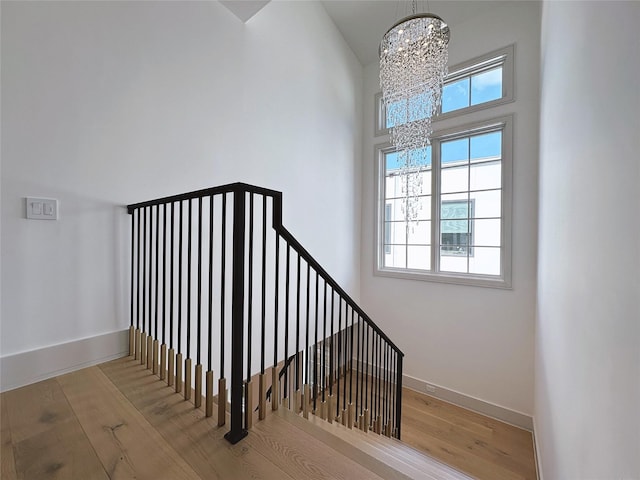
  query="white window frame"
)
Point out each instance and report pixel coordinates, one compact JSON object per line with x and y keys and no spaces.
{"x":505,"y":123}
{"x":504,"y":57}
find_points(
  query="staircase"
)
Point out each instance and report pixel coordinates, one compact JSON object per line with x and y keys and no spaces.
{"x":219,"y":284}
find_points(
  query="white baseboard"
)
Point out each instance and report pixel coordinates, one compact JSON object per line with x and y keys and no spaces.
{"x":486,"y":408}
{"x":24,"y":368}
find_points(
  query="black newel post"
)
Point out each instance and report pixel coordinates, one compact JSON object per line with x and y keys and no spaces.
{"x":237,"y":432}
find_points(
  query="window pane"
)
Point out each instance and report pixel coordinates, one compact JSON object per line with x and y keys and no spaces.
{"x":452,"y":263}
{"x":454,"y":151}
{"x":397,"y":232}
{"x":395,"y":161}
{"x":454,"y":179}
{"x":486,"y":86}
{"x":419,"y":233}
{"x":485,"y":176}
{"x":486,"y":232}
{"x":397,"y":256}
{"x":392,"y":162}
{"x":452,"y":197}
{"x":455,"y":95}
{"x":487,"y":204}
{"x":397,"y":210}
{"x":486,"y":261}
{"x":486,"y":146}
{"x":426,"y":181}
{"x":419,"y":257}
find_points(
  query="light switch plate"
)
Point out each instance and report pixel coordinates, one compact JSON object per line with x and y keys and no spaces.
{"x":42,"y":208}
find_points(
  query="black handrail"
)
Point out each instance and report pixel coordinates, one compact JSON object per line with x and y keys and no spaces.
{"x":372,"y":379}
{"x":284,"y":233}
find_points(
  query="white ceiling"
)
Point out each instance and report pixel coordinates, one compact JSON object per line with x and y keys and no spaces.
{"x":363,"y":22}
{"x":244,"y":9}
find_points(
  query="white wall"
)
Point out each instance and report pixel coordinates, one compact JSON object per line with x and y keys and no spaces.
{"x":473,"y":340}
{"x":110,"y":103}
{"x":587,"y":385}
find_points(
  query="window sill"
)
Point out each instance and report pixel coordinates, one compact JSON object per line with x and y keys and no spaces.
{"x":487,"y":281}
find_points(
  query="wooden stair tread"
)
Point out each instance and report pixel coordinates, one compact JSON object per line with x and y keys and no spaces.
{"x":389,"y":457}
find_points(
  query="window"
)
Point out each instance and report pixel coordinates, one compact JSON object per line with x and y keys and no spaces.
{"x":460,"y":232}
{"x":483,"y":82}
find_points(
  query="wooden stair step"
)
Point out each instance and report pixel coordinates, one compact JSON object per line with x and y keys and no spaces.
{"x":388,"y":457}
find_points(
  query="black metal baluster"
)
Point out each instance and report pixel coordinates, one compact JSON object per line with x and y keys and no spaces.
{"x":275,"y":393}
{"x":171,"y":362}
{"x":222,"y":281}
{"x":331,"y":360}
{"x":179,"y":339}
{"x":157,"y":295}
{"x":187,"y":363}
{"x":398,"y":395}
{"x":143,"y":335}
{"x":370,"y":345}
{"x":286,"y":325}
{"x":150,"y":297}
{"x":297,"y":369}
{"x":222,"y":381}
{"x":352,"y":410}
{"x":315,"y":350}
{"x":339,"y":357}
{"x":392,"y":390}
{"x":197,"y":401}
{"x":138,"y":269}
{"x":386,"y":386}
{"x":262,"y":382}
{"x":132,"y":340}
{"x":305,"y":397}
{"x":248,"y":386}
{"x":344,"y":362}
{"x":358,"y":404}
{"x":209,"y":374}
{"x":264,"y":285}
{"x":323,"y":360}
{"x":155,"y":307}
{"x":163,"y":348}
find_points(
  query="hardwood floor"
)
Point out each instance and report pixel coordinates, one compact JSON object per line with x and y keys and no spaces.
{"x":478,"y":445}
{"x":117,"y":420}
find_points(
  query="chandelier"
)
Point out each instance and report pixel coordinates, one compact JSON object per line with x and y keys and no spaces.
{"x":413,"y":65}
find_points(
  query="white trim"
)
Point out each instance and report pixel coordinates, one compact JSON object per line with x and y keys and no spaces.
{"x":489,"y":409}
{"x":25,"y":368}
{"x":506,"y":124}
{"x":536,"y":451}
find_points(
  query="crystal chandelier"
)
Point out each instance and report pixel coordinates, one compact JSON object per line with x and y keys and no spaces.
{"x":413,"y":65}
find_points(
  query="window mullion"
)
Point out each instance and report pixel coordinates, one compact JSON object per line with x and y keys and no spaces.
{"x":435,"y":205}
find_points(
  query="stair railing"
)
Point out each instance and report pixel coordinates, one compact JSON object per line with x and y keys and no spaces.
{"x":329,"y":358}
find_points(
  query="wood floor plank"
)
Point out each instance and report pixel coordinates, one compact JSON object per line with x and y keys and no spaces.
{"x":127,"y":445}
{"x":197,"y":438}
{"x":47,"y":438}
{"x":7,"y":458}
